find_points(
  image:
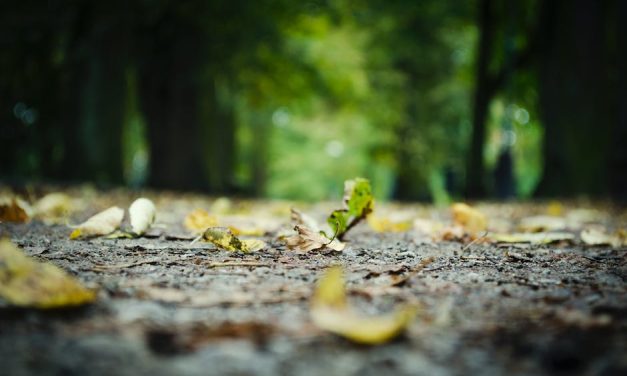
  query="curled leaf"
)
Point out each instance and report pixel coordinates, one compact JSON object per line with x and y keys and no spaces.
{"x":199,"y":220}
{"x":300,"y":218}
{"x":142,"y":213}
{"x":223,"y":238}
{"x":13,"y":209}
{"x":330,"y":311}
{"x":102,"y":223}
{"x":308,"y":240}
{"x":358,"y":203}
{"x":471,"y":219}
{"x":25,"y":282}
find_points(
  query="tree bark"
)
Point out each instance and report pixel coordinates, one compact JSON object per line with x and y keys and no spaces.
{"x":168,"y":82}
{"x":475,"y":172}
{"x":575,"y":100}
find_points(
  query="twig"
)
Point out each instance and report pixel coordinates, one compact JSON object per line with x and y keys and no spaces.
{"x":242,"y":263}
{"x":252,"y":301}
{"x":474,"y":241}
{"x":413,"y":272}
{"x":100,"y":267}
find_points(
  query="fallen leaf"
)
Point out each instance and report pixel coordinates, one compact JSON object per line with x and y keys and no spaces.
{"x":330,"y":312}
{"x":555,"y":208}
{"x":199,"y":220}
{"x":222,"y":205}
{"x":25,"y":282}
{"x":427,"y":226}
{"x":224,"y":238}
{"x":308,"y":240}
{"x":300,"y":218}
{"x":358,"y":203}
{"x":471,"y":219}
{"x":247,"y":231}
{"x":595,"y":236}
{"x":102,"y":223}
{"x":542,"y":223}
{"x":534,"y":238}
{"x":142,"y":213}
{"x":53,"y":207}
{"x":395,"y":222}
{"x":14,"y":209}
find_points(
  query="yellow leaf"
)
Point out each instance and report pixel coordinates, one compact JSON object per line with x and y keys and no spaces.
{"x":222,"y":205}
{"x":13,"y":209}
{"x":555,"y":208}
{"x":331,"y":291}
{"x":329,"y":311}
{"x":389,"y":224}
{"x":471,"y":219}
{"x":534,"y":238}
{"x":595,"y":236}
{"x":542,"y":223}
{"x":308,"y":240}
{"x":199,"y":220}
{"x":102,"y":223}
{"x":53,"y":207}
{"x":222,"y":237}
{"x":142,"y":213}
{"x":25,"y":282}
{"x":247,"y":231}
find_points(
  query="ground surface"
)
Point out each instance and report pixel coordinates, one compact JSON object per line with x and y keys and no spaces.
{"x":166,"y":306}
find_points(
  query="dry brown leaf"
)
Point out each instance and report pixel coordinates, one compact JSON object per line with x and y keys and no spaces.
{"x":307,"y":240}
{"x":102,"y":223}
{"x":471,"y":219}
{"x":302,"y":219}
{"x":330,"y":312}
{"x":25,"y":282}
{"x":14,"y":209}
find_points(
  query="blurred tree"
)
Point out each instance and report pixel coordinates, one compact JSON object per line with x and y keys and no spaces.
{"x":580,"y":98}
{"x":495,"y":65}
{"x":426,"y":42}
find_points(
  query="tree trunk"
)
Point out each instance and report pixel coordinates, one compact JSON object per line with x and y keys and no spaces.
{"x":218,"y":118}
{"x":168,"y":82}
{"x":575,"y":102}
{"x":618,"y":157}
{"x":475,"y":172}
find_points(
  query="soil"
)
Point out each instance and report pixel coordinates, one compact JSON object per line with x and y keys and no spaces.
{"x":168,"y":306}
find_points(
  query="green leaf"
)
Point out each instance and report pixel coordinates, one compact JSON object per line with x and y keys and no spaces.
{"x":358,"y":203}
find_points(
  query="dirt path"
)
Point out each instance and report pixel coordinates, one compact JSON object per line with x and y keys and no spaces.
{"x":167,"y":306}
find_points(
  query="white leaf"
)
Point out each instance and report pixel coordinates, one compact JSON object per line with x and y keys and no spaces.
{"x":142,"y":214}
{"x":102,"y":223}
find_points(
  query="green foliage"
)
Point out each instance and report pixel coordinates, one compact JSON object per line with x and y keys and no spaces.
{"x":358,"y":203}
{"x":286,"y":99}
